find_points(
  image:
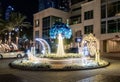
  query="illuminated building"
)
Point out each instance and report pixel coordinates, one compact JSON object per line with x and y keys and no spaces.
{"x":8,"y":12}
{"x":58,"y":4}
{"x":100,"y":17}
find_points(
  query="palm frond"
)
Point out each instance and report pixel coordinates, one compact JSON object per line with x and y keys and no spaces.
{"x":15,"y":20}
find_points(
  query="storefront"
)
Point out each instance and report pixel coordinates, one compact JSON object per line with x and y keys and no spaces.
{"x":111,"y":45}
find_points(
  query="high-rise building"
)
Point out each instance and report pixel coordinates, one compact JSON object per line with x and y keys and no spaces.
{"x":100,"y":17}
{"x":58,"y":4}
{"x":8,"y":12}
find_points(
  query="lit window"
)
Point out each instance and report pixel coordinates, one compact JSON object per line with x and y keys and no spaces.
{"x":37,"y":23}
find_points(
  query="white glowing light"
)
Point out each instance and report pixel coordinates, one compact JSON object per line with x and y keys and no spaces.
{"x":14,"y":46}
{"x":92,"y":43}
{"x":60,"y":49}
{"x":89,"y":44}
{"x":43,"y":43}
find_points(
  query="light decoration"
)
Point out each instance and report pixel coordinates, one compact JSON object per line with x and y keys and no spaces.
{"x":60,"y":28}
{"x":31,"y":57}
{"x":60,"y":49}
{"x":92,"y":44}
{"x":46,"y":48}
{"x":14,"y":46}
{"x":83,"y":62}
{"x":2,"y":48}
{"x":5,"y":47}
{"x":60,"y":31}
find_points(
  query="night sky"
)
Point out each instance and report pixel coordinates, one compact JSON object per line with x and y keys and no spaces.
{"x":26,"y":7}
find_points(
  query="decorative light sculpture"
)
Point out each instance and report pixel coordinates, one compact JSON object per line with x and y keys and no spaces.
{"x":48,"y":63}
{"x":45,"y":45}
{"x":60,"y":31}
{"x":92,"y":44}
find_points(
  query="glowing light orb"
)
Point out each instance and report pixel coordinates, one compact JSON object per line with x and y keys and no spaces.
{"x":60,"y":28}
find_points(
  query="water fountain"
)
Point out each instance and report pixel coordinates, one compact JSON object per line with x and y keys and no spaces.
{"x":88,"y":59}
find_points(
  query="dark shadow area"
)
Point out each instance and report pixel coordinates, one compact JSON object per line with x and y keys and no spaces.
{"x":10,"y":78}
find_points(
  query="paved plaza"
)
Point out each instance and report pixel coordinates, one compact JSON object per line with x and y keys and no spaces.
{"x":107,"y":74}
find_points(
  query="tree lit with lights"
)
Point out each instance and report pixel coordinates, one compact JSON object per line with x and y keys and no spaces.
{"x":60,"y":31}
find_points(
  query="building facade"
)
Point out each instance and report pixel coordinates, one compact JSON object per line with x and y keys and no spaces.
{"x":100,"y":17}
{"x":44,"y":20}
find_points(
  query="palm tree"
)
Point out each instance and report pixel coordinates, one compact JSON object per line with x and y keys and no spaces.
{"x":16,"y":21}
{"x":19,"y":20}
{"x":2,"y":24}
{"x":19,"y":23}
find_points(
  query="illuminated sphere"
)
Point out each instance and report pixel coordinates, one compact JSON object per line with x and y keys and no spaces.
{"x":60,"y":28}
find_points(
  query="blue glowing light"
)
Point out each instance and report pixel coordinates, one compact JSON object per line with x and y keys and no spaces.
{"x":60,"y":28}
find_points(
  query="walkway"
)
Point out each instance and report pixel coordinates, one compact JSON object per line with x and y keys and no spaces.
{"x":107,"y":74}
{"x":101,"y":78}
{"x":112,"y":56}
